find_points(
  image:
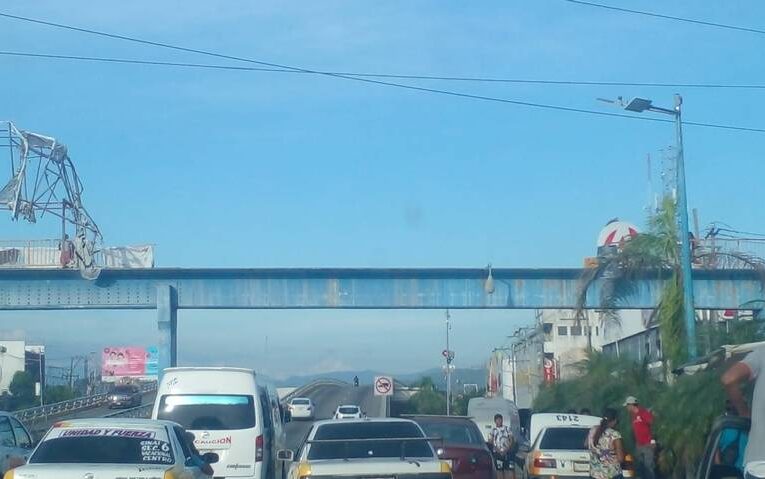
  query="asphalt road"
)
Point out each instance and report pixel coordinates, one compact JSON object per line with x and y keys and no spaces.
{"x":39,"y":428}
{"x":327,"y":398}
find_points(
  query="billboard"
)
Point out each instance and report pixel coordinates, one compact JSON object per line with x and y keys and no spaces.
{"x":129,"y":362}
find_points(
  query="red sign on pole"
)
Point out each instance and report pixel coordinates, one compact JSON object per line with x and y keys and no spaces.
{"x":383,"y":386}
{"x":550,"y":374}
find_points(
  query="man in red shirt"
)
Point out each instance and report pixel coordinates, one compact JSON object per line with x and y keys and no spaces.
{"x":642,"y":421}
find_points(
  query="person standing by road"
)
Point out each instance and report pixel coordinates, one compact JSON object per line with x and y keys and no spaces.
{"x":642,"y":428}
{"x":501,"y":442}
{"x":749,"y":370}
{"x":606,"y":448}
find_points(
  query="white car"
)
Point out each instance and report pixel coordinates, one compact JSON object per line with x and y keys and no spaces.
{"x":354,"y":448}
{"x":115,"y":448}
{"x":348,"y":412}
{"x":302,"y":408}
{"x":558,"y":447}
{"x":15,"y":442}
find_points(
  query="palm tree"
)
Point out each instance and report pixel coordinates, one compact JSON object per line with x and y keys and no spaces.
{"x":655,"y":252}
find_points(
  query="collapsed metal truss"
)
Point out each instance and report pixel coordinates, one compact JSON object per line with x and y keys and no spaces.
{"x":43,"y":181}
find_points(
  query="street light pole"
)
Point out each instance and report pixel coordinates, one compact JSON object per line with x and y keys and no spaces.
{"x":685,"y":240}
{"x":640,"y":105}
{"x":448,"y":366}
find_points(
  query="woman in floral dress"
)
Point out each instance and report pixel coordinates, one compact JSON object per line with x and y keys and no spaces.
{"x":606,"y":449}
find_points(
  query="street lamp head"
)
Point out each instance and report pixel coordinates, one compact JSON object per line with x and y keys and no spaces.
{"x":638,"y":105}
{"x":488,"y":285}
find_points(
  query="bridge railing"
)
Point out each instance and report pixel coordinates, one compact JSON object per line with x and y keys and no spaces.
{"x":62,"y":408}
{"x":747,"y":246}
{"x":30,"y":254}
{"x":302,"y":390}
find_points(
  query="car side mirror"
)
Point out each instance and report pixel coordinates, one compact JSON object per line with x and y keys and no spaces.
{"x":210,"y":457}
{"x":286,"y":455}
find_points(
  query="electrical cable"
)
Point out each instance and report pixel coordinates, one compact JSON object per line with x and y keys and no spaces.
{"x":371,"y":81}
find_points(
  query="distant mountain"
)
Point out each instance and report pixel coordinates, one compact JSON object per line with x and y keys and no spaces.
{"x":459,"y":376}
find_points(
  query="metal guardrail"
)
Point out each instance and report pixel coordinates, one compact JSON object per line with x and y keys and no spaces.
{"x":312,"y":385}
{"x":72,"y":405}
{"x":30,"y":254}
{"x":143,"y":412}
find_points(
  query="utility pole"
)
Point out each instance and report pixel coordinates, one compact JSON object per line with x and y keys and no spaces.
{"x":41,"y":371}
{"x":515,"y":367}
{"x":449,"y":357}
{"x":639,"y":105}
{"x":71,"y":373}
{"x":685,"y":240}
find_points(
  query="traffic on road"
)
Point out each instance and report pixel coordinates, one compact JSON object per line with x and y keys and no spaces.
{"x":222,"y":422}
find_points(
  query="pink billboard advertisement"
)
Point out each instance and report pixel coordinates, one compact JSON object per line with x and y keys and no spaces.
{"x":129,"y":362}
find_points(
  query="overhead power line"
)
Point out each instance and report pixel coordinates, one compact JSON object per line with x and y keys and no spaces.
{"x":668,"y":17}
{"x":532,"y":81}
{"x":372,"y":81}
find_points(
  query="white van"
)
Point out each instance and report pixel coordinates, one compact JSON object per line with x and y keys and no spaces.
{"x":229,"y":414}
{"x":482,"y":411}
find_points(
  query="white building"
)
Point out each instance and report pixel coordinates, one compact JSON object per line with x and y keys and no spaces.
{"x":554,"y":348}
{"x":17,"y":356}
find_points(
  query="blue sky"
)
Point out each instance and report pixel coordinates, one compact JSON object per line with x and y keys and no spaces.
{"x":241,"y":169}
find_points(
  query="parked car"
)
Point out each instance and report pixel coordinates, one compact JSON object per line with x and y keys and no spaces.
{"x":115,"y":448}
{"x":15,"y":442}
{"x":125,"y":395}
{"x":355,"y":448}
{"x":230,"y":413}
{"x":462,"y":445}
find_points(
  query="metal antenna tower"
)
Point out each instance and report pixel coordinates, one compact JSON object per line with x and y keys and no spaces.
{"x":43,"y":181}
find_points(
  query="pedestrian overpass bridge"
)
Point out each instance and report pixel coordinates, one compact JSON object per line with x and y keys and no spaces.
{"x":168,"y":289}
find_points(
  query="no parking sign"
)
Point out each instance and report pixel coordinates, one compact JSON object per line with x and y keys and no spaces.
{"x":383,"y":386}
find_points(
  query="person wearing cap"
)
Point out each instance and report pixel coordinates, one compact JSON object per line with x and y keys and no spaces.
{"x":642,"y":424}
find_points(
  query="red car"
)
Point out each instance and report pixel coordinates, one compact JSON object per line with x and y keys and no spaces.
{"x":463,"y":445}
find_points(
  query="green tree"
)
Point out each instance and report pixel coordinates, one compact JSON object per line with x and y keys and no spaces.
{"x":54,"y":394}
{"x":427,"y":400}
{"x":460,"y":402}
{"x":22,"y":389}
{"x":656,"y":252}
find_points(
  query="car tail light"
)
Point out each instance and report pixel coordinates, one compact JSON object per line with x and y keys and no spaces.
{"x":259,"y":449}
{"x":628,"y":467}
{"x":545,"y":463}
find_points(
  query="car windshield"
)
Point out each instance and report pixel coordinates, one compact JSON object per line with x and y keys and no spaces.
{"x":564,"y":439}
{"x":209,"y":412}
{"x":300,"y":402}
{"x":104,"y":446}
{"x":348,"y":410}
{"x":362,"y":443}
{"x":453,"y":432}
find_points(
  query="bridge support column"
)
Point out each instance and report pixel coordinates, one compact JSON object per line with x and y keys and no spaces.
{"x":167,"y":322}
